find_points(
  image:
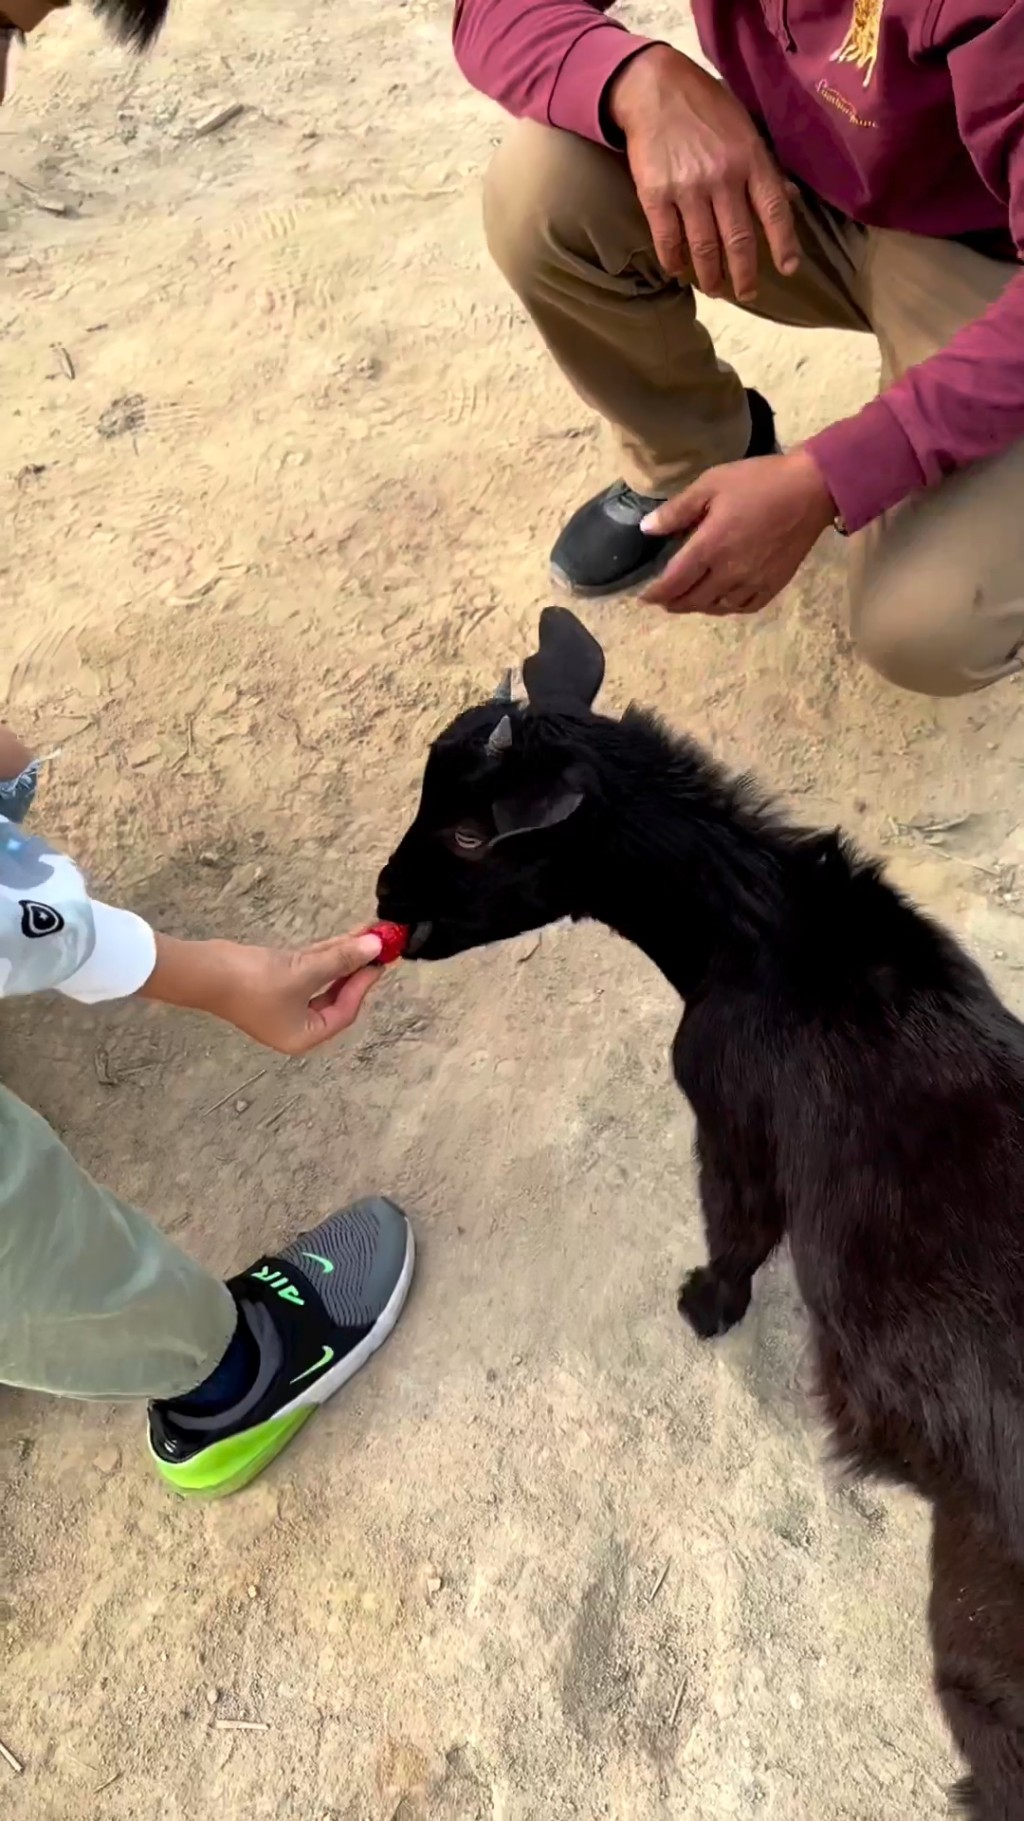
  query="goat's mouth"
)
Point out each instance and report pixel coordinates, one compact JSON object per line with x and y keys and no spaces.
{"x":418,"y":939}
{"x":434,"y":939}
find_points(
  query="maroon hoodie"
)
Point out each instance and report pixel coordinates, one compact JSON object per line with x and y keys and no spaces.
{"x":904,"y":114}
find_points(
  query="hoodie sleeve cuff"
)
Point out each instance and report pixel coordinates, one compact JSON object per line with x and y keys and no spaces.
{"x":588,"y":67}
{"x":868,"y":464}
{"x":122,"y":958}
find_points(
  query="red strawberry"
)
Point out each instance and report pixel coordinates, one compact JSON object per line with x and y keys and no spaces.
{"x":394,"y":940}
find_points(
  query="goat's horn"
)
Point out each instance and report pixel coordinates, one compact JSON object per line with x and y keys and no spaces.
{"x":500,"y":739}
{"x":503,"y":693}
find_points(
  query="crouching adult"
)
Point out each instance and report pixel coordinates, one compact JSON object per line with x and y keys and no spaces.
{"x":860,"y":165}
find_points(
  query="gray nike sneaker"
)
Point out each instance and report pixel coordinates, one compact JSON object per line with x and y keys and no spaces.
{"x":315,"y":1311}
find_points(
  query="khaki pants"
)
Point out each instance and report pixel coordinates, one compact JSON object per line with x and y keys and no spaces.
{"x":937,"y":592}
{"x":94,"y":1301}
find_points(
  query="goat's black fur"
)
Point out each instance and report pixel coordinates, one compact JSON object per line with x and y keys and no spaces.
{"x":134,"y":22}
{"x":857,"y":1086}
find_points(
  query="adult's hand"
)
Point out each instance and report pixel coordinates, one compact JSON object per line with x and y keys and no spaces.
{"x":750,"y":525}
{"x":704,"y":176}
{"x":290,"y":999}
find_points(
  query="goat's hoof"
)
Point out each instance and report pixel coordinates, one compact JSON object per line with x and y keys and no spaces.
{"x":712,"y":1304}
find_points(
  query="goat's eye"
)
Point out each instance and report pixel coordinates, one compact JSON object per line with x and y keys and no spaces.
{"x":466,"y":839}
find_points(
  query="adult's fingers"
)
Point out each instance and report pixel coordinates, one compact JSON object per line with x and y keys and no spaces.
{"x":704,"y":244}
{"x":687,"y":571}
{"x":680,"y":513}
{"x":771,"y":199}
{"x":736,"y":601}
{"x":738,"y":234}
{"x":704,"y":596}
{"x":667,"y":233}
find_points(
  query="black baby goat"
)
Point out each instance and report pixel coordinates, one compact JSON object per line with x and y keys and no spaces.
{"x":857,"y":1087}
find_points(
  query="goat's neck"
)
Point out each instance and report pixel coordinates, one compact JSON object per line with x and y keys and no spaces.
{"x":688,"y":869}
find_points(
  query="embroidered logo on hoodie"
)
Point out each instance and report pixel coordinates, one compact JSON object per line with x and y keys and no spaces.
{"x":860,"y":46}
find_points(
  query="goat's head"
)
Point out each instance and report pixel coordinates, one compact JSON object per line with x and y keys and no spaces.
{"x":496,"y":842}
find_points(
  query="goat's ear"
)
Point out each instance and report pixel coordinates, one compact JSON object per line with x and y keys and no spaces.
{"x":568,"y":665}
{"x":528,"y":812}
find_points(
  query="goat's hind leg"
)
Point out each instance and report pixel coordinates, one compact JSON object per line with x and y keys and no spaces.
{"x":744,"y":1222}
{"x":976,"y":1615}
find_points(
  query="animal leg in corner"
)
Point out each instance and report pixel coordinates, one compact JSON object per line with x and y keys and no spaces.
{"x":744,"y":1222}
{"x":976,"y":1616}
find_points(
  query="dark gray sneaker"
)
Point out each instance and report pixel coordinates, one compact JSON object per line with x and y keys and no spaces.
{"x":315,"y":1313}
{"x":602,"y":549}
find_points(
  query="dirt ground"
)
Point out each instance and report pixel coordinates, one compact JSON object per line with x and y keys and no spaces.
{"x":280,"y":463}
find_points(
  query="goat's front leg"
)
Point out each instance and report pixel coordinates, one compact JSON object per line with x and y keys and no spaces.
{"x":744,"y":1221}
{"x":976,"y":1616}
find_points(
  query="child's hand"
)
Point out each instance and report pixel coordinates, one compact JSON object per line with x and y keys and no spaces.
{"x":18,"y":774}
{"x":289,"y":999}
{"x":14,"y":754}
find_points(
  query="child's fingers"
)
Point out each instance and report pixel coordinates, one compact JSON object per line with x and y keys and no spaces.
{"x":337,"y":1008}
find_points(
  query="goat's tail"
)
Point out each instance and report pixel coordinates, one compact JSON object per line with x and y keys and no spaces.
{"x":976,"y":1614}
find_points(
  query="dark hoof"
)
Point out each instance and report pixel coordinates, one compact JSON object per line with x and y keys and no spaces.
{"x":712,"y":1304}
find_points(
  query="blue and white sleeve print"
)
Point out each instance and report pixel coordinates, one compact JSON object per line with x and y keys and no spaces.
{"x":52,"y":934}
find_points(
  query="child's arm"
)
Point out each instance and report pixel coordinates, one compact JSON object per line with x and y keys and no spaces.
{"x":54,"y":936}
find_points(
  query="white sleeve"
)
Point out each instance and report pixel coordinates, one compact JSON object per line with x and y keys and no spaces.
{"x":53,"y":935}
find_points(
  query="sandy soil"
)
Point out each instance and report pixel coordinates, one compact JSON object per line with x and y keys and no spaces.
{"x":280,"y":463}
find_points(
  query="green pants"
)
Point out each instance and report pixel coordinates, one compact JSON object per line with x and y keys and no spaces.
{"x":94,"y":1301}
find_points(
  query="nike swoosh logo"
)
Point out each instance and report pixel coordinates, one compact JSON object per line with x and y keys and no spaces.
{"x":315,"y":1256}
{"x":325,"y":1359}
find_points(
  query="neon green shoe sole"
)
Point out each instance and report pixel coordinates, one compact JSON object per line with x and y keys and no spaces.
{"x":228,"y":1465}
{"x":320,"y":1327}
